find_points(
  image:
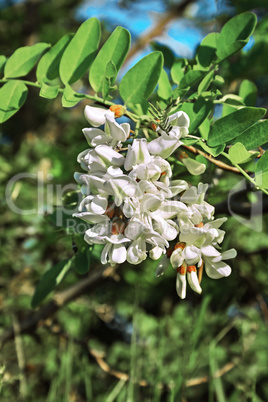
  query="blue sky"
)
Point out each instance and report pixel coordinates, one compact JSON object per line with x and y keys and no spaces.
{"x":182,"y":35}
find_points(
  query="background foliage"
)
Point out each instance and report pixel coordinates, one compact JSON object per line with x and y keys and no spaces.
{"x":209,"y":347}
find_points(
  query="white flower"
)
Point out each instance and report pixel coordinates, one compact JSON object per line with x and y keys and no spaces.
{"x":100,"y":159}
{"x":112,"y":135}
{"x":197,"y":207}
{"x":156,"y":252}
{"x":167,"y":143}
{"x":135,"y":208}
{"x":114,"y":251}
{"x":137,"y":153}
{"x":96,"y":116}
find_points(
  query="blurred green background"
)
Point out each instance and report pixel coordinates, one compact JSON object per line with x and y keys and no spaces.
{"x":211,"y":347}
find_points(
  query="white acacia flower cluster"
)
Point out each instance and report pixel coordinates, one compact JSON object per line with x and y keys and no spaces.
{"x":137,"y":211}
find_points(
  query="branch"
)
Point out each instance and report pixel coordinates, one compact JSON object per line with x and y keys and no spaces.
{"x":216,"y":162}
{"x":158,"y":29}
{"x":60,"y":299}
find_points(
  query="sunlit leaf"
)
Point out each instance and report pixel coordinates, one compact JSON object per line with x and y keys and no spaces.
{"x":48,"y":66}
{"x":191,"y":78}
{"x":114,"y":50}
{"x":109,"y":79}
{"x":229,"y":127}
{"x":164,"y":86}
{"x":12,"y":96}
{"x":70,"y":98}
{"x":80,"y":52}
{"x":235,"y":34}
{"x":140,"y":81}
{"x":248,"y":92}
{"x":49,"y":91}
{"x":239,"y":154}
{"x":197,"y":112}
{"x":207,"y":50}
{"x":214,"y":151}
{"x":3,"y":60}
{"x":177,"y":70}
{"x":205,"y":83}
{"x":262,"y":164}
{"x":255,"y":136}
{"x":23,"y":60}
{"x":262,"y":179}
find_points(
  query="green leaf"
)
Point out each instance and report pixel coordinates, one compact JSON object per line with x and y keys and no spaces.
{"x":81,"y":261}
{"x":164,"y":87}
{"x":70,"y":98}
{"x":197,"y":112}
{"x":248,"y":92}
{"x":177,"y":70}
{"x":49,"y":281}
{"x":191,"y":78}
{"x":140,"y":81}
{"x":218,"y":81}
{"x":238,"y":154}
{"x":262,"y":179}
{"x":229,"y":127}
{"x":204,"y":128}
{"x":114,"y":50}
{"x":205,"y":83}
{"x":262,"y":164}
{"x":109,"y":79}
{"x":3,"y":60}
{"x":214,"y":151}
{"x":177,"y":92}
{"x":49,"y":91}
{"x":12,"y":96}
{"x":80,"y":52}
{"x":207,"y":50}
{"x":48,"y":66}
{"x":235,"y":34}
{"x":255,"y":136}
{"x":23,"y":60}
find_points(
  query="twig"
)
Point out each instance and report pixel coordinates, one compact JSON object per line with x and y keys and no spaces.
{"x":158,"y":29}
{"x":263,"y":307}
{"x":216,"y":162}
{"x":60,"y":299}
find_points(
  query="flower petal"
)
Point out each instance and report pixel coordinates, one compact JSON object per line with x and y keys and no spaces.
{"x":193,"y":281}
{"x":118,"y":254}
{"x":181,"y":285}
{"x":96,"y":116}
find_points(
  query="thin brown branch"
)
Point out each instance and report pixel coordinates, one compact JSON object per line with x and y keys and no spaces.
{"x":263,"y":307}
{"x":62,"y":298}
{"x":158,"y":29}
{"x":216,"y":162}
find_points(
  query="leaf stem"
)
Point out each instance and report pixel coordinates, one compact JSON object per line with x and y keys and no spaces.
{"x":245,"y":174}
{"x":95,"y":98}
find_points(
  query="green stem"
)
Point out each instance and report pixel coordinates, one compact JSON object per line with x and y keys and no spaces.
{"x":137,"y":128}
{"x":95,"y":98}
{"x":245,"y":174}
